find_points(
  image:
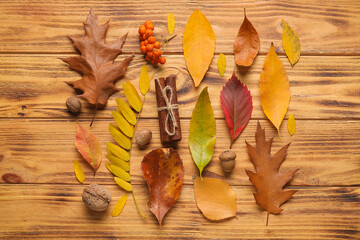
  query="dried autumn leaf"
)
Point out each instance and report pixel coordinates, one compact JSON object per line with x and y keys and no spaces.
{"x":268,"y":181}
{"x":163,"y":171}
{"x":132,"y":96}
{"x":274,"y":88}
{"x":119,"y":206}
{"x":125,"y":110}
{"x":89,"y":147}
{"x":119,"y":137}
{"x":291,"y":43}
{"x":236,"y":103}
{"x":198,"y":45}
{"x":202,"y":131}
{"x":215,"y":198}
{"x":291,"y":125}
{"x":171,"y":23}
{"x":247,"y":44}
{"x":79,"y":173}
{"x":123,"y":125}
{"x":222,"y":64}
{"x":144,"y":80}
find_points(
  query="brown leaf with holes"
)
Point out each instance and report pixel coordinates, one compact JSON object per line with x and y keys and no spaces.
{"x":268,"y":181}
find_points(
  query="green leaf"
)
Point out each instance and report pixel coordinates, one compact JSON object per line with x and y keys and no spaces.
{"x":202,"y":132}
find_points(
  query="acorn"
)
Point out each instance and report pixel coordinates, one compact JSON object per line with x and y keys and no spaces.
{"x":227,"y":160}
{"x":73,"y":104}
{"x":143,"y":137}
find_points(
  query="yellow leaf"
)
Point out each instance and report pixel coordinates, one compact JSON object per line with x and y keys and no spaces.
{"x":119,"y":137}
{"x":274,"y":88}
{"x":198,"y":45}
{"x":144,"y":80}
{"x":124,"y":126}
{"x":117,"y":151}
{"x":171,"y":23}
{"x":222,"y":64}
{"x":291,"y":124}
{"x":125,"y":110}
{"x":79,"y":173}
{"x":118,"y":162}
{"x":117,"y":171}
{"x":291,"y":43}
{"x":215,"y":198}
{"x":119,"y":206}
{"x":132,"y":96}
{"x":124,"y":185}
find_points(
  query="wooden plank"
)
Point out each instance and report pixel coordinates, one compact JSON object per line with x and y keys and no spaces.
{"x":56,"y":211}
{"x":43,"y":151}
{"x":324,"y":27}
{"x":321,"y":87}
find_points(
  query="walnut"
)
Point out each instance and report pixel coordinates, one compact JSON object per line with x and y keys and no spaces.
{"x":227,"y":160}
{"x":96,"y":197}
{"x":143,"y":137}
{"x":73,"y":104}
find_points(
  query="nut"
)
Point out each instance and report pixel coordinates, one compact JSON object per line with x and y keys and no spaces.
{"x":143,"y":137}
{"x":96,"y":197}
{"x":227,"y":160}
{"x":73,"y":104}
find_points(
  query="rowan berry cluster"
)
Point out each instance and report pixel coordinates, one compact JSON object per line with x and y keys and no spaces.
{"x":149,"y":45}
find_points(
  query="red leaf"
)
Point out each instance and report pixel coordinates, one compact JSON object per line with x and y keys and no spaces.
{"x":163,"y":171}
{"x":236,"y":103}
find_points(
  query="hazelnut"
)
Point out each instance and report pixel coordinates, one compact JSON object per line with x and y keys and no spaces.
{"x":73,"y":104}
{"x":143,"y":137}
{"x":227,"y":160}
{"x":96,"y":197}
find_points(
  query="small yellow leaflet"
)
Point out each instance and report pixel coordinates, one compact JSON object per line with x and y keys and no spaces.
{"x":171,"y":23}
{"x":119,"y":206}
{"x":79,"y":173}
{"x":222,"y":64}
{"x":291,"y":124}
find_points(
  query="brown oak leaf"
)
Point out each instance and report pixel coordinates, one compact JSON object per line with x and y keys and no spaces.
{"x":96,"y":62}
{"x":268,"y":181}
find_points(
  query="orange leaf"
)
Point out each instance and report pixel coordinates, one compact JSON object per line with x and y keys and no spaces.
{"x":89,"y":147}
{"x":247,"y":44}
{"x":215,"y":198}
{"x":164,"y":174}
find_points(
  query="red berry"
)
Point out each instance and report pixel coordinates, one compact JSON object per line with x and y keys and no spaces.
{"x":146,"y":42}
{"x":149,"y":47}
{"x":148,"y":33}
{"x":154,"y":62}
{"x":142,"y":43}
{"x":148,"y":58}
{"x":162,"y":60}
{"x":150,"y":54}
{"x":157,"y":45}
{"x":142,"y":29}
{"x":148,"y":22}
{"x":152,"y":39}
{"x":149,"y":26}
{"x":157,"y":52}
{"x":143,"y":49}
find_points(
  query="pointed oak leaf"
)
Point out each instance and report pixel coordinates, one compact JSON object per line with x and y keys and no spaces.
{"x":163,"y":171}
{"x":236,"y":103}
{"x":268,"y":181}
{"x":96,"y":63}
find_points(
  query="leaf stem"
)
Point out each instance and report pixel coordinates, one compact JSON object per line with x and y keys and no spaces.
{"x":267,"y":219}
{"x":168,"y":40}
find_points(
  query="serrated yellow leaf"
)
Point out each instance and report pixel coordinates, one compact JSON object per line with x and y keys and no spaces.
{"x":132,"y":96}
{"x":291,"y":124}
{"x":118,"y":162}
{"x":274,"y":88}
{"x":79,"y":173}
{"x":119,"y":206}
{"x":125,"y":110}
{"x":291,"y":43}
{"x":117,"y":151}
{"x":123,"y":125}
{"x":222,"y":64}
{"x":117,"y":171}
{"x":120,"y":138}
{"x":171,"y":23}
{"x":144,"y":80}
{"x":123,"y":184}
{"x":198,"y":45}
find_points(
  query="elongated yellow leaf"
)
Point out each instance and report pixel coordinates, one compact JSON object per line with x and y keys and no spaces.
{"x":144,"y":80}
{"x":118,"y":162}
{"x":119,"y":206}
{"x":79,"y":173}
{"x":222,"y":64}
{"x":171,"y":23}
{"x":117,"y":151}
{"x":274,"y":88}
{"x":120,"y":138}
{"x":291,"y":43}
{"x":123,"y":125}
{"x":117,"y":171}
{"x":132,"y":96}
{"x":198,"y":45}
{"x":123,"y":184}
{"x":125,"y":110}
{"x":291,"y":124}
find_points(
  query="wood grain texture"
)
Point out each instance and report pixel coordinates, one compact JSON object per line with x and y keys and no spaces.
{"x":56,"y":211}
{"x":321,"y":87}
{"x":43,"y":151}
{"x":324,"y":27}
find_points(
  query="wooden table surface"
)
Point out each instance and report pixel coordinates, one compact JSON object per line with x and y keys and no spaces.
{"x":39,"y":194}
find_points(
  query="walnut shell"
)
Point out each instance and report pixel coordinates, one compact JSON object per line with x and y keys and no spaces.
{"x":143,"y":137}
{"x":73,"y":104}
{"x":227,"y":160}
{"x":96,"y":197}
